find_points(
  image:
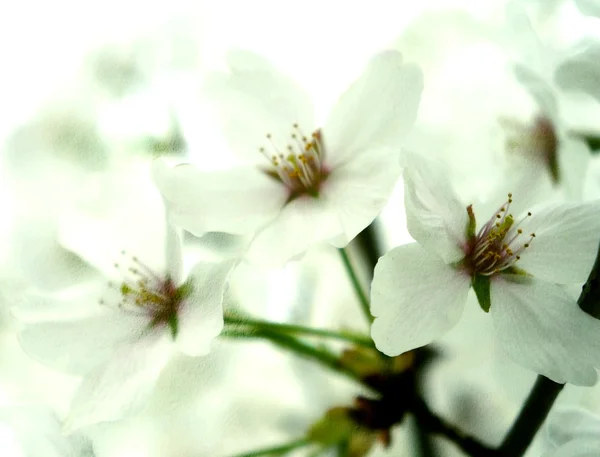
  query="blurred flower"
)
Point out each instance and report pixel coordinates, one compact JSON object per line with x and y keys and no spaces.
{"x":543,"y":140}
{"x":122,"y":344}
{"x":516,"y":266}
{"x":306,"y":184}
{"x":36,"y":432}
{"x":573,"y":432}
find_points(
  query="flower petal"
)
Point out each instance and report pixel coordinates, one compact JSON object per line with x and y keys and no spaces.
{"x":77,"y":346}
{"x":565,"y":244}
{"x":585,"y":447}
{"x":539,"y":89}
{"x":120,"y":210}
{"x":255,"y":99}
{"x":358,"y":190}
{"x":523,"y":38}
{"x":541,"y":328}
{"x":574,"y":161}
{"x":120,"y":386}
{"x":174,"y":253}
{"x":201,"y":316}
{"x":581,"y":71}
{"x":378,"y":110}
{"x":569,"y":423}
{"x":302,"y":222}
{"x":237,"y":201}
{"x":38,"y":432}
{"x":435,"y":216}
{"x":76,"y":302}
{"x":415,"y":298}
{"x":589,"y":7}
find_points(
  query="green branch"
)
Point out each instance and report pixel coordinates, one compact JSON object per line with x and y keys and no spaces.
{"x":360,"y":293}
{"x":300,"y":330}
{"x":321,"y":355}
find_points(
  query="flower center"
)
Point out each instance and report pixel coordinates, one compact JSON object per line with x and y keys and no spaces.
{"x":144,"y":292}
{"x":498,"y":244}
{"x":300,"y":164}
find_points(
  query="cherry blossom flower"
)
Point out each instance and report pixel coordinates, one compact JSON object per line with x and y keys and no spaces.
{"x":301,"y":184}
{"x":518,"y":266}
{"x":573,"y":432}
{"x":544,"y":139}
{"x":121,"y":342}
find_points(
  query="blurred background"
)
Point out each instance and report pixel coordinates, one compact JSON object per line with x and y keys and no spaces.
{"x":90,"y":92}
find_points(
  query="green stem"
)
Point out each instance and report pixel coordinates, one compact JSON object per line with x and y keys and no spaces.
{"x":360,"y":293}
{"x":320,"y":355}
{"x":301,"y":330}
{"x":277,"y":450}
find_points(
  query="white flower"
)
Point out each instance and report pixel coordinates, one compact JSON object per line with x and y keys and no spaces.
{"x":581,"y":70}
{"x":301,"y":184}
{"x":30,"y":431}
{"x":517,"y":265}
{"x":573,"y":432}
{"x":544,"y":140}
{"x":121,"y":343}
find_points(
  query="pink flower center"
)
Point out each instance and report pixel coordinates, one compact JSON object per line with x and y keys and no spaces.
{"x":499,"y":243}
{"x":299,"y":166}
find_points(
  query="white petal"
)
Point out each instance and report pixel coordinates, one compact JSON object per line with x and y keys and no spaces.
{"x":39,"y":433}
{"x":302,"y":222}
{"x":586,"y":447}
{"x":77,"y":346}
{"x":542,"y":328}
{"x":435,"y":216}
{"x":174,"y":253}
{"x":256,"y":99}
{"x":581,"y":71}
{"x":77,"y":302}
{"x":237,"y":201}
{"x":358,"y":190}
{"x":201,"y":315}
{"x":574,"y":161}
{"x":43,"y":260}
{"x":378,"y":110}
{"x":118,"y":211}
{"x":524,"y":39}
{"x":539,"y":89}
{"x":566,"y":242}
{"x":589,"y":7}
{"x":120,"y":387}
{"x":415,"y":298}
{"x":569,"y":423}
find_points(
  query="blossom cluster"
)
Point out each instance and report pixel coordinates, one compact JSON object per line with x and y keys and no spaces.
{"x":135,"y":265}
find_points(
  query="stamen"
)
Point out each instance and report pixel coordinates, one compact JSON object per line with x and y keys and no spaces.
{"x":143,"y":291}
{"x":301,"y":169}
{"x":496,"y":245}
